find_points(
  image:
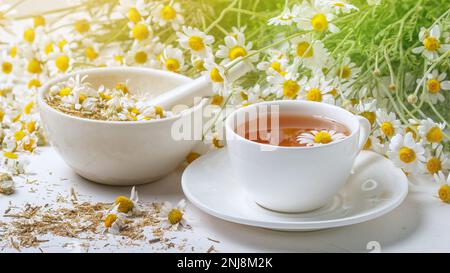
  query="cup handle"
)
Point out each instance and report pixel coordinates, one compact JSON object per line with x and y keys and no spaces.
{"x":364,"y":131}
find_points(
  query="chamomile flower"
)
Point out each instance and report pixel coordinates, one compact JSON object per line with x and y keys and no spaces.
{"x":347,"y":70}
{"x":216,"y":75}
{"x":91,"y":50}
{"x":129,"y":205}
{"x":134,"y":10}
{"x":339,"y":6}
{"x":116,"y":56}
{"x":234,"y":48}
{"x":444,"y":189}
{"x":317,"y":138}
{"x":406,"y":153}
{"x":139,"y":55}
{"x":168,"y":14}
{"x":435,"y":83}
{"x":431,"y":131}
{"x":318,"y":89}
{"x":114,"y":221}
{"x":287,"y":17}
{"x":195,"y":40}
{"x":61,"y":62}
{"x":316,"y":17}
{"x":173,"y":216}
{"x":7,"y":65}
{"x":437,"y":161}
{"x":367,"y":108}
{"x":140,"y":31}
{"x":431,"y":44}
{"x":311,"y":53}
{"x":389,"y":124}
{"x":376,"y":143}
{"x":14,"y":163}
{"x":172,"y":59}
{"x":286,"y":86}
{"x":276,"y":63}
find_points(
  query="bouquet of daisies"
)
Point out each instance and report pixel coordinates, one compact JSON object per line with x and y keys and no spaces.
{"x":385,"y":60}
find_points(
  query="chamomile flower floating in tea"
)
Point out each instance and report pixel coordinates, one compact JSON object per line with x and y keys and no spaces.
{"x":77,"y":97}
{"x":317,"y":138}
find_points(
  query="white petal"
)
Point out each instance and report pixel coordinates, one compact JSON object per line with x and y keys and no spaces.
{"x":445,"y":85}
{"x":418,"y":50}
{"x":435,"y":32}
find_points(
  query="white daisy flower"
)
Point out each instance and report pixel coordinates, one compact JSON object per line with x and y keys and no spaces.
{"x":389,"y":124}
{"x":316,"y":17}
{"x":114,"y":221}
{"x":141,"y":31}
{"x":276,"y":62}
{"x":216,"y":75}
{"x":129,"y":206}
{"x":431,"y":131}
{"x":374,"y":143}
{"x":347,"y":70}
{"x":439,"y":178}
{"x":318,"y":89}
{"x":116,"y":56}
{"x":406,"y":153}
{"x":431,"y":45}
{"x":287,"y":17}
{"x":173,"y":216}
{"x":134,"y":10}
{"x":172,"y":59}
{"x":235,"y":48}
{"x":339,"y":6}
{"x":8,"y":65}
{"x":14,"y":163}
{"x":195,"y":40}
{"x":311,"y":53}
{"x":60,"y":62}
{"x":139,"y":55}
{"x":91,"y":50}
{"x":287,"y":85}
{"x":367,"y":108}
{"x":437,"y":161}
{"x":317,"y":138}
{"x":435,"y":84}
{"x":168,"y":14}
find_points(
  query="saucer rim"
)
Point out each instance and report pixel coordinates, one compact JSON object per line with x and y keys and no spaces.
{"x":297,"y":226}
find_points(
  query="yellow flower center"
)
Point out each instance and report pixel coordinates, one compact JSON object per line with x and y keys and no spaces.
{"x":122,"y":87}
{"x":19,"y":135}
{"x":431,"y":44}
{"x":28,"y":107}
{"x":412,"y":130}
{"x":434,"y":165}
{"x":199,"y":65}
{"x":61,"y":44}
{"x":216,"y":99}
{"x":236,"y":52}
{"x":38,"y":21}
{"x":34,"y":66}
{"x":134,"y":111}
{"x":368,"y":144}
{"x":10,"y":155}
{"x":48,"y":48}
{"x":433,"y":86}
{"x":172,"y":65}
{"x":435,"y":134}
{"x":34,"y":83}
{"x":370,"y":116}
{"x":305,"y":50}
{"x":140,"y":32}
{"x":104,"y":96}
{"x":159,"y":111}
{"x":29,"y":35}
{"x":196,"y":43}
{"x":314,"y":94}
{"x":110,"y":219}
{"x":90,"y":53}
{"x":444,"y":193}
{"x":387,"y":128}
{"x":81,"y":98}
{"x":125,"y":204}
{"x":333,"y":92}
{"x":192,"y":156}
{"x":31,"y":126}
{"x":215,"y":75}
{"x":134,"y":15}
{"x":344,"y":72}
{"x":290,"y":88}
{"x":175,"y":216}
{"x":65,"y":91}
{"x":62,"y":63}
{"x":276,"y":66}
{"x":82,"y":26}
{"x":29,"y":146}
{"x":319,"y":22}
{"x":140,"y":57}
{"x":13,"y":51}
{"x":407,"y":155}
{"x":118,"y":58}
{"x":322,"y":137}
{"x":168,"y":13}
{"x":217,"y":143}
{"x":7,"y":67}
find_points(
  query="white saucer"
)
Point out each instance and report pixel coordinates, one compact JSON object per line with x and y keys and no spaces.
{"x":375,"y":188}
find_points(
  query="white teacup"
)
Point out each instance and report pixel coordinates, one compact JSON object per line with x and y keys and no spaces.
{"x":294,"y":179}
